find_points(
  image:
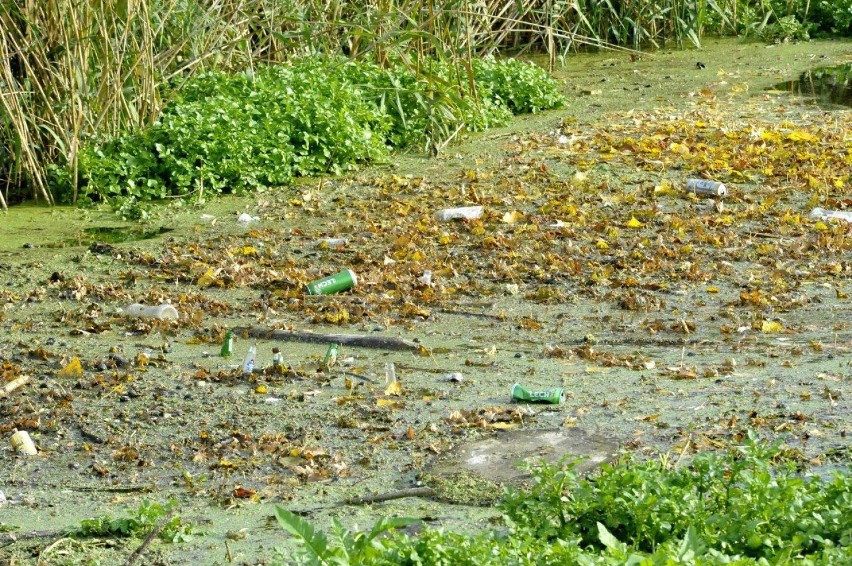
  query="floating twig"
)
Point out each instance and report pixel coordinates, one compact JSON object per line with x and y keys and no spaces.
{"x":500,"y":317}
{"x":140,"y":550}
{"x":389,"y":496}
{"x":357,"y":340}
{"x":11,"y":538}
{"x":113,"y":489}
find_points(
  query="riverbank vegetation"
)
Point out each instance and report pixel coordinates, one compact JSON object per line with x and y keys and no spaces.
{"x":78,"y":79}
{"x":746,"y":506}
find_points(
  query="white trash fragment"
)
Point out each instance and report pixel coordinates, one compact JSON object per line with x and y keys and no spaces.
{"x":464,"y":212}
{"x":163,"y":311}
{"x":22,"y":443}
{"x":455,"y":377}
{"x":208,"y":218}
{"x":390,"y":373}
{"x":705,"y":187}
{"x":512,"y":288}
{"x":824,"y":214}
{"x":426,"y":278}
{"x":245,"y":218}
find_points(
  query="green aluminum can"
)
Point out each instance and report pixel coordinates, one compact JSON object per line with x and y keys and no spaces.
{"x":331,"y":355}
{"x":227,"y":344}
{"x":342,"y":281}
{"x":554,"y":396}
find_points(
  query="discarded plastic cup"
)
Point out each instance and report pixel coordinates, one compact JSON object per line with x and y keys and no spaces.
{"x":826,"y":214}
{"x":163,"y":311}
{"x":705,"y":187}
{"x":553,"y":396}
{"x":342,"y":281}
{"x":461,"y":213}
{"x":22,"y":442}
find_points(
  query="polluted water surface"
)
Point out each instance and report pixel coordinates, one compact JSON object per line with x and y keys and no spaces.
{"x":825,"y":85}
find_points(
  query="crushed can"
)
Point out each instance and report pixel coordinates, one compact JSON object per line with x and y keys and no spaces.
{"x":336,"y":283}
{"x":554,"y":396}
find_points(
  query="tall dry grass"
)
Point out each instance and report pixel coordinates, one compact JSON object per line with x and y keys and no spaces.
{"x":74,"y":70}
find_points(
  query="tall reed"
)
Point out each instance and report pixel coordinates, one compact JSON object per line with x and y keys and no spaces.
{"x":74,"y":71}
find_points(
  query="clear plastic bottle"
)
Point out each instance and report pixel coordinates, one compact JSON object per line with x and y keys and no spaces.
{"x":248,"y":363}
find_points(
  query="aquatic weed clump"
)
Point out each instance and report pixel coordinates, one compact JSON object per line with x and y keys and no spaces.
{"x":228,"y":133}
{"x":747,"y":506}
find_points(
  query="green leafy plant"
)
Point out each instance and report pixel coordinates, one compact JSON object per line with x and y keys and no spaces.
{"x":746,"y":506}
{"x":748,"y":502}
{"x":316,"y":115}
{"x":139,"y":523}
{"x":349,"y":548}
{"x":787,"y":28}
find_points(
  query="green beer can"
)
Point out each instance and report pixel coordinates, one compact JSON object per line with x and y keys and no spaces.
{"x":342,"y":281}
{"x":331,"y":355}
{"x":554,"y":396}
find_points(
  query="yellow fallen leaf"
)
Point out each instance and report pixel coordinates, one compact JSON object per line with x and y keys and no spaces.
{"x":664,"y":188}
{"x":207,"y":279}
{"x":504,"y":426}
{"x":601,"y":245}
{"x":633,"y":223}
{"x":821,"y":226}
{"x":513,"y":217}
{"x":72,"y":369}
{"x":679,"y":148}
{"x":771,"y":326}
{"x":392,"y":403}
{"x":394,"y":388}
{"x":712,"y":289}
{"x":261,"y":389}
{"x":245,"y":250}
{"x":799,"y":135}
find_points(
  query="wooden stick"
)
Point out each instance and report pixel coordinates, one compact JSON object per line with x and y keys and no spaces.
{"x":140,"y":550}
{"x":500,"y":317}
{"x":357,"y":340}
{"x":113,"y":488}
{"x":388,"y":496}
{"x":11,"y":538}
